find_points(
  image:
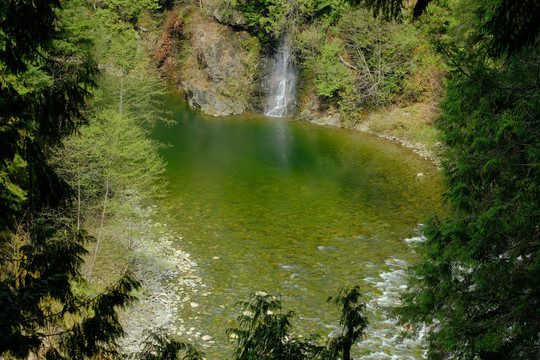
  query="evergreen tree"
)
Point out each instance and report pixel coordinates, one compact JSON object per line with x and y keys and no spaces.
{"x":352,"y":321}
{"x":478,"y":283}
{"x":264,"y":332}
{"x":43,"y":87}
{"x":159,"y":347}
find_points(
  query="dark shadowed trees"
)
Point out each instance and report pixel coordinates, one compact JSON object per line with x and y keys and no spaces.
{"x":43,"y":87}
{"x":478,"y":283}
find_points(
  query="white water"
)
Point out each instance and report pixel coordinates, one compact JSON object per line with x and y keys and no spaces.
{"x":281,"y":83}
{"x":388,"y":338}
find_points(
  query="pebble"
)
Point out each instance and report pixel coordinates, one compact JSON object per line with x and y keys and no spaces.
{"x":206,"y":338}
{"x":158,"y":265}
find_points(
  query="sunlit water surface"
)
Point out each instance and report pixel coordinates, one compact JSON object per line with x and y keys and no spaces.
{"x":295,"y":210}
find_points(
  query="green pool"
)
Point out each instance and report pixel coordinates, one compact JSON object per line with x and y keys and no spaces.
{"x":296,"y":210}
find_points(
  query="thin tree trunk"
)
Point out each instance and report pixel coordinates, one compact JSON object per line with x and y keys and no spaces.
{"x":538,"y":356}
{"x":102,"y":222}
{"x":78,"y":196}
{"x":348,"y":342}
{"x":121,"y":101}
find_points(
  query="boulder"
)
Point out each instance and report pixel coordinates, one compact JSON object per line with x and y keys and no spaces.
{"x":229,"y":15}
{"x":210,"y":101}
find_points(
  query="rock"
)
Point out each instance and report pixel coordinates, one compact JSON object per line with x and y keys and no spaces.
{"x":206,"y":338}
{"x":332,"y":118}
{"x":216,"y":258}
{"x":312,"y":113}
{"x":407,"y":327}
{"x":194,"y":305}
{"x":209,"y":101}
{"x":227,"y":14}
{"x":227,"y":64}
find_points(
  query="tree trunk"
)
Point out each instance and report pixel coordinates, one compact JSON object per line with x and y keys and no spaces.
{"x":78,"y":196}
{"x":121,"y":100}
{"x":102,"y":222}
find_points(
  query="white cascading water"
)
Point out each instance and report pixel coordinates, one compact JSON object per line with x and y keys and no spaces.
{"x":281,"y":82}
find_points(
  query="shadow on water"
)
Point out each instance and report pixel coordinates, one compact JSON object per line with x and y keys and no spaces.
{"x":267,"y":204}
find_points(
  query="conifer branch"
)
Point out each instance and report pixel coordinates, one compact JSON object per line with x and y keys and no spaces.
{"x":71,"y":308}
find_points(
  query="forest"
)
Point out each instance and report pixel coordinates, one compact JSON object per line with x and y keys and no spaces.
{"x":80,"y":89}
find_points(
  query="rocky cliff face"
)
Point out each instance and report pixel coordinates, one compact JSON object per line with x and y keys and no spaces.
{"x":219,"y":65}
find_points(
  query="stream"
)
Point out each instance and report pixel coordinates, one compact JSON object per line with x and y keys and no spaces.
{"x":295,"y":210}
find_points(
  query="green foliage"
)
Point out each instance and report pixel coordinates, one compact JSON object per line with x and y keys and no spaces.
{"x":308,"y":43}
{"x":330,"y":10}
{"x":512,"y":25}
{"x":115,"y":41}
{"x":388,"y":9}
{"x":111,"y":162}
{"x":128,"y":10}
{"x":479,"y":277}
{"x":268,"y":18}
{"x":159,"y":347}
{"x":364,"y":62}
{"x":352,"y":319}
{"x":41,"y":97}
{"x":332,"y":74}
{"x":264,"y":332}
{"x":18,"y":43}
{"x":114,"y":147}
{"x":380,"y":53}
{"x":46,"y":77}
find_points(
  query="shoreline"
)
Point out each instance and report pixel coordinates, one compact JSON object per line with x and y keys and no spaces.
{"x":412,"y":127}
{"x":421,"y":150}
{"x":169,"y":279}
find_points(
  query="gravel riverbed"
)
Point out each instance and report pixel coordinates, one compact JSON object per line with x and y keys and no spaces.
{"x":169,"y":278}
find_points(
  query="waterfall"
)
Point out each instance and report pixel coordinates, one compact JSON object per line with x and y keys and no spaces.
{"x":281,"y":82}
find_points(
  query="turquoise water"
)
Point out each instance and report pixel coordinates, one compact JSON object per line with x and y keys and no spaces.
{"x":292,"y":209}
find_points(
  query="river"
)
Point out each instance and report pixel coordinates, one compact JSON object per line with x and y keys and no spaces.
{"x":296,"y":210}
